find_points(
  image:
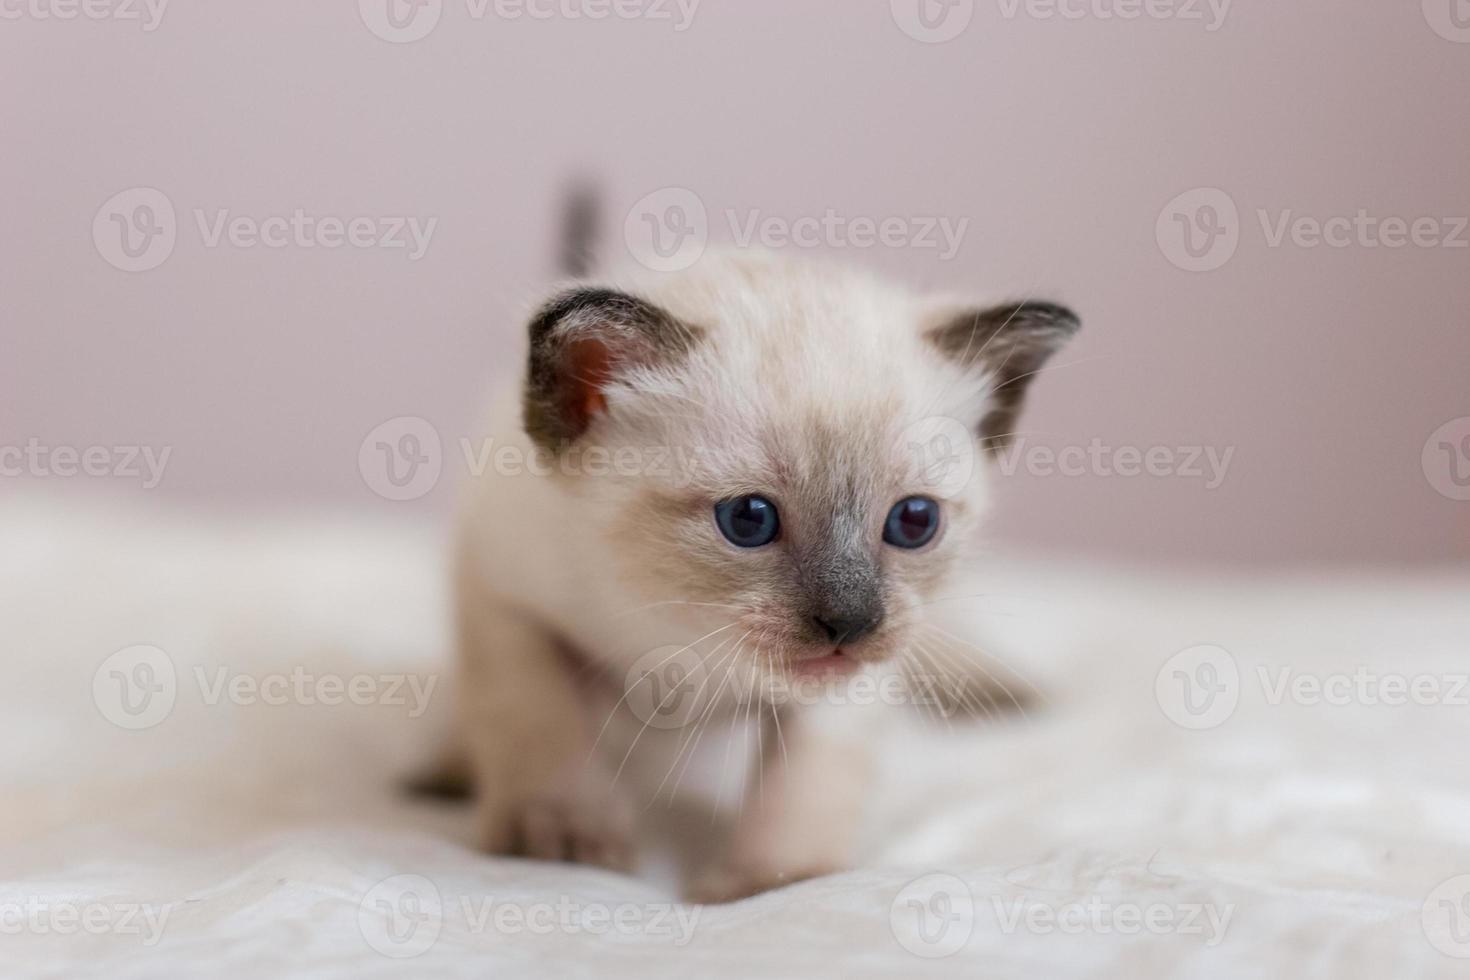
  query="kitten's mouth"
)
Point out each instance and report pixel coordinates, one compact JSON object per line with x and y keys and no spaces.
{"x":830,"y":665}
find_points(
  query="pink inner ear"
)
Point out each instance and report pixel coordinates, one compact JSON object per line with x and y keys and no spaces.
{"x":588,"y":366}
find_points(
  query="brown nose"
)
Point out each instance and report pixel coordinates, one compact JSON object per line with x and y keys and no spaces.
{"x":846,"y":629}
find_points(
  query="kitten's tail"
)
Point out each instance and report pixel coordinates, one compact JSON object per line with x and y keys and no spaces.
{"x":580,"y":228}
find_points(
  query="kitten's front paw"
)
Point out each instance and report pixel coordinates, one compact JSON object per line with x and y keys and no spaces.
{"x":730,"y":882}
{"x":577,"y":827}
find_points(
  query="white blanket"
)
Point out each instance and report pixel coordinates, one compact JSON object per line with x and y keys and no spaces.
{"x":1321,"y":828}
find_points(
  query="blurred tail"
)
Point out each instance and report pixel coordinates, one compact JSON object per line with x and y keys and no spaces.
{"x":579,"y":231}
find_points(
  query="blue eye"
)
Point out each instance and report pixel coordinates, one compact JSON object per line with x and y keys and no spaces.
{"x":748,"y":522}
{"x":912,"y":523}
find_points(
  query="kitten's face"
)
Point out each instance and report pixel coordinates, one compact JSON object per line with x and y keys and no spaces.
{"x":811,"y":456}
{"x":816,"y":529}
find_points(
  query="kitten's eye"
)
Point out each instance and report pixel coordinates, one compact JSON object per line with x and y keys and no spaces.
{"x":912,"y":523}
{"x":748,"y":522}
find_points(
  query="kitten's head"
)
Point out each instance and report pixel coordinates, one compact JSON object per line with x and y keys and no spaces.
{"x":794,"y":448}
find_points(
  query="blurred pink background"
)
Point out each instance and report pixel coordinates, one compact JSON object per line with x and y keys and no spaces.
{"x":1063,"y":142}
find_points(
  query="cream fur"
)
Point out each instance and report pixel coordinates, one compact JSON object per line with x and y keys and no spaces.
{"x":809,"y":383}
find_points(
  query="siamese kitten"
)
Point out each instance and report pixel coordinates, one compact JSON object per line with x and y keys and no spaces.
{"x":738,"y":481}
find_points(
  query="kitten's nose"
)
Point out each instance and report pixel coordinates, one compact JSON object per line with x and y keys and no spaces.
{"x":846,"y":629}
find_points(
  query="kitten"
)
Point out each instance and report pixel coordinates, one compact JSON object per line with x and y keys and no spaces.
{"x":730,"y":482}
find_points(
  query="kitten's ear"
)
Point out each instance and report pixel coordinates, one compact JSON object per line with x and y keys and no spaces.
{"x":582,"y":341}
{"x":1009,"y":343}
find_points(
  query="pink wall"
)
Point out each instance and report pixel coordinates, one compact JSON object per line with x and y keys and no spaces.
{"x":1061,"y":140}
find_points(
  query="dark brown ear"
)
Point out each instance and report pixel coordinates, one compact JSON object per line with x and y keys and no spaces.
{"x":581,"y":342}
{"x":1010,"y":343}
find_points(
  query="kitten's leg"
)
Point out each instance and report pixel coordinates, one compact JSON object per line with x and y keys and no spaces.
{"x":801,"y":813}
{"x":526,"y":730}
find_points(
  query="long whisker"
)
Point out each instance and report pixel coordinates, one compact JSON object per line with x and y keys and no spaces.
{"x":691,"y":736}
{"x":628,"y":689}
{"x":978,"y":663}
{"x":958,"y":683}
{"x":921,"y":652}
{"x":708,"y":714}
